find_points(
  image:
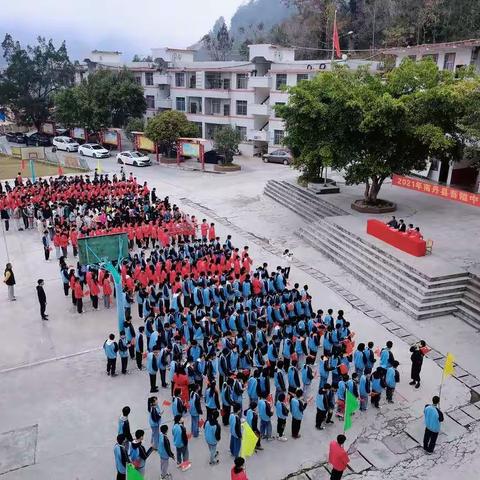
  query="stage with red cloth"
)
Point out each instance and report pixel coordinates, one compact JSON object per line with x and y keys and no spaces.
{"x":411,"y":244}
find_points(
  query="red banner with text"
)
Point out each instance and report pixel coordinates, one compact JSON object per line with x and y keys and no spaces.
{"x":437,"y":190}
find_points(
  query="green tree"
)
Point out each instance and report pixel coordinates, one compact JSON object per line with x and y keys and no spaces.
{"x":106,"y":98}
{"x":32,"y":76}
{"x":134,"y":125}
{"x":226,"y":140}
{"x":165,"y":128}
{"x":373,"y":127}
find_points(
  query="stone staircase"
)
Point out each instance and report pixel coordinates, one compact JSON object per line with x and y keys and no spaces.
{"x":419,"y":295}
{"x":300,"y":200}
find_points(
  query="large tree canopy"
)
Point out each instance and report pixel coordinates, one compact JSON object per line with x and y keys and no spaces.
{"x":105,"y":99}
{"x":372,"y":126}
{"x":32,"y":76}
{"x":166,"y":127}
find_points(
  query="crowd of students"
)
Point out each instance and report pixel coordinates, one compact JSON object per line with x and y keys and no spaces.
{"x":235,"y":342}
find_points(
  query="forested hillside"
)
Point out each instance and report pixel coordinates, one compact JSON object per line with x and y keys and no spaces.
{"x":374,"y":23}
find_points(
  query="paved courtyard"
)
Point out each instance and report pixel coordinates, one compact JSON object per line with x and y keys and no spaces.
{"x":59,"y":410}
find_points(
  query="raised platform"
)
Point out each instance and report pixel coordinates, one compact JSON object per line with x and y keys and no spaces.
{"x":423,"y":287}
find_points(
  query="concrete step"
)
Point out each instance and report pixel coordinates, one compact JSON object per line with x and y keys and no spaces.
{"x":309,"y":195}
{"x":467,"y":316}
{"x":302,"y":199}
{"x":392,"y":258}
{"x":285,"y":203}
{"x":472,"y":295}
{"x":471,"y":307}
{"x":391,"y":293}
{"x":399,"y":274}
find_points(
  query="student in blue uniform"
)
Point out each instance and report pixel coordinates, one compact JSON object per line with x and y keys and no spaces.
{"x":433,"y":417}
{"x":139,"y":347}
{"x":265,"y":413}
{"x":164,"y":452}
{"x":321,"y":403}
{"x":124,"y":425}
{"x":180,"y":440}
{"x":377,"y":387}
{"x":152,"y":369}
{"x":111,"y":348}
{"x":297,"y":407}
{"x":235,"y":432}
{"x":212,"y":402}
{"x":251,"y":416}
{"x":154,"y":420}
{"x":178,"y":408}
{"x":121,"y":458}
{"x":195,"y":409}
{"x":281,"y":410}
{"x":138,"y":454}
{"x":213,"y":434}
{"x":123,"y":351}
{"x":392,"y":377}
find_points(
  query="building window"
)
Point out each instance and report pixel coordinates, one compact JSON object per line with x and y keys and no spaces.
{"x":179,"y":79}
{"x":242,"y":80}
{"x":241,"y":107}
{"x":148,"y":78}
{"x":275,"y":110}
{"x":212,"y":106}
{"x":281,"y":81}
{"x":193,"y":81}
{"x":226,"y":109}
{"x":431,"y":56}
{"x":242,"y":132}
{"x":301,"y":77}
{"x":449,"y":62}
{"x":211,"y":129}
{"x":150,"y":99}
{"x":180,"y":104}
{"x":138,"y":79}
{"x":278,"y":137}
{"x":213,"y":80}
{"x":199,"y":129}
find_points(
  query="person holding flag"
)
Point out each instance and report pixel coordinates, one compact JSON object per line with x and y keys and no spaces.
{"x":433,"y":417}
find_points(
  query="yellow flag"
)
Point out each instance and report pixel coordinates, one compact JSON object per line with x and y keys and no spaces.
{"x":99,"y":166}
{"x":249,"y":441}
{"x":448,"y":369}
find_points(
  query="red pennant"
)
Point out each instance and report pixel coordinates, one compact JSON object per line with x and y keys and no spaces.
{"x":60,"y":170}
{"x":23,"y":165}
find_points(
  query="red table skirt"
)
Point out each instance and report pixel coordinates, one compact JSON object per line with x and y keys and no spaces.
{"x":407,"y":243}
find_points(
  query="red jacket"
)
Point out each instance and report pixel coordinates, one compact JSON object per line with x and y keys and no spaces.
{"x":238,"y":476}
{"x":337,"y":456}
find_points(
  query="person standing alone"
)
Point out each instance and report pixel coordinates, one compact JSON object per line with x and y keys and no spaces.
{"x":9,"y":280}
{"x":42,"y":299}
{"x":338,"y":457}
{"x":433,"y":417}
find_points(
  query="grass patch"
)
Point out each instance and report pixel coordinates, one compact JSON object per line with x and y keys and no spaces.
{"x":10,"y":166}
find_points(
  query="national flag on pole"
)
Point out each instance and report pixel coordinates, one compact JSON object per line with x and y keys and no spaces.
{"x":249,"y":441}
{"x":132,"y":474}
{"x":60,"y":169}
{"x":449,"y":369}
{"x":351,"y":405}
{"x":336,"y":39}
{"x":23,"y":165}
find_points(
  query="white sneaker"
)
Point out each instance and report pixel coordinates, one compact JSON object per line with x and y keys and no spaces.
{"x":283,"y":439}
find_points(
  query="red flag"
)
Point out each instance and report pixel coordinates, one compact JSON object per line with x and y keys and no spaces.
{"x":60,"y":170}
{"x":23,"y":165}
{"x":336,"y":40}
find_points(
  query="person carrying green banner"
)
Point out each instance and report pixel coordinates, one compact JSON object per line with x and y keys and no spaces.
{"x":351,"y":406}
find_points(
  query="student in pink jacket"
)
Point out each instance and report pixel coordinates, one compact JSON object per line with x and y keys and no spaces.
{"x":338,"y":457}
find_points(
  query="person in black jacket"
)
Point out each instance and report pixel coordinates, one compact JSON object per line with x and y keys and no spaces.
{"x":42,"y":299}
{"x":417,"y":362}
{"x":138,"y":453}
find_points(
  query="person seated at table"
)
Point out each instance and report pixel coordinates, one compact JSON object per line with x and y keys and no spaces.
{"x":393,"y":223}
{"x":416,"y":233}
{"x":401,"y":226}
{"x":410,"y":229}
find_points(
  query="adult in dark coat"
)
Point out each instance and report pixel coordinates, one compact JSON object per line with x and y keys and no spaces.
{"x":417,"y":362}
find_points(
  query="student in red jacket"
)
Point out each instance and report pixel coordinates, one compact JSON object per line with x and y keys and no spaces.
{"x":338,"y":457}
{"x":238,"y":471}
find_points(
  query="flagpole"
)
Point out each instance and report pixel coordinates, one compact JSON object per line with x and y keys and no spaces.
{"x":333,"y":34}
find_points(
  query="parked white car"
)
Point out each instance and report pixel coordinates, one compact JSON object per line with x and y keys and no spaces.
{"x":134,"y":158}
{"x":65,"y":143}
{"x":93,"y":150}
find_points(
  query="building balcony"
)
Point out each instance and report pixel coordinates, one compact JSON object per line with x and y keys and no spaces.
{"x":164,"y":103}
{"x":260,"y":135}
{"x":259,"y":82}
{"x":161,"y":79}
{"x":259,"y":109}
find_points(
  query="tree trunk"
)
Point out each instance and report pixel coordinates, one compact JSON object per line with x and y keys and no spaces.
{"x":371,"y":190}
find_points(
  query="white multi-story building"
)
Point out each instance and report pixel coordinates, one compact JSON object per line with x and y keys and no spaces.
{"x":447,"y":56}
{"x":212,"y":94}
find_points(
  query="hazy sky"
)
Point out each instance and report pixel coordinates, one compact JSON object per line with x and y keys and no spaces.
{"x":132,"y":26}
